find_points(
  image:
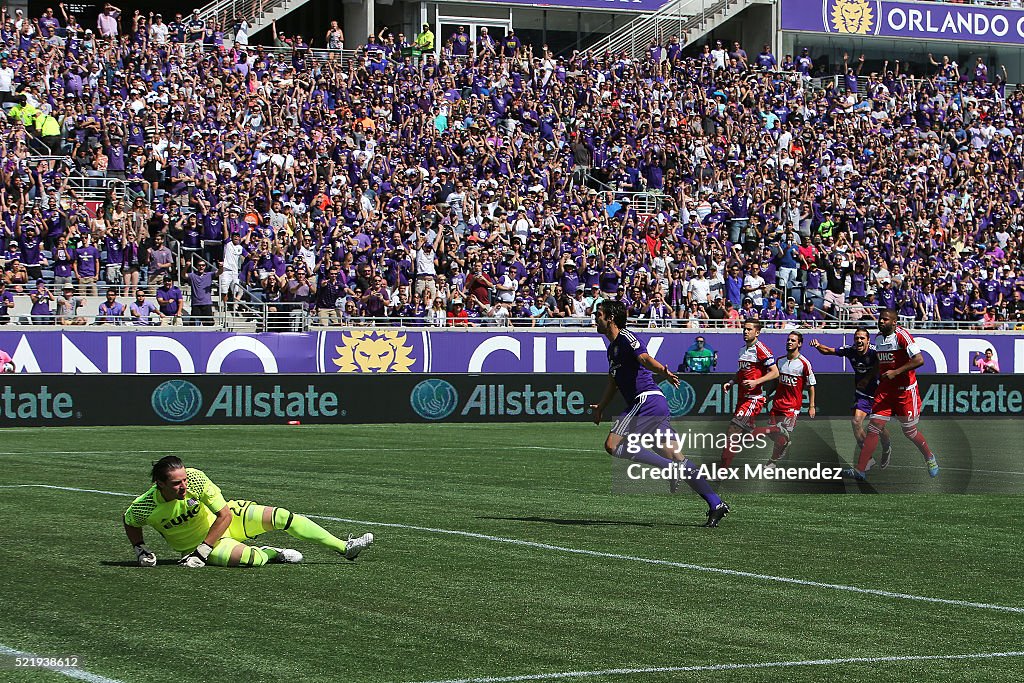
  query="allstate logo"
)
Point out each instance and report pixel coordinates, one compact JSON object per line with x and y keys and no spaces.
{"x":177,"y":400}
{"x":859,"y":17}
{"x":680,"y":400}
{"x":434,"y":399}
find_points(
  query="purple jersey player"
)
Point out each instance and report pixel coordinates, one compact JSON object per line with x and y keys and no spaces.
{"x":631,"y":372}
{"x":864,"y":361}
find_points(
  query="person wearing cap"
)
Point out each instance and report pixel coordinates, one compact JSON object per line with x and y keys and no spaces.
{"x":511,"y":45}
{"x":458,"y":316}
{"x":68,"y":305}
{"x":41,"y":297}
{"x":424,"y":39}
{"x":699,"y":357}
{"x":169,"y":298}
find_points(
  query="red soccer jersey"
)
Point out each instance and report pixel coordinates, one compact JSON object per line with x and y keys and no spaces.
{"x":894,"y":351}
{"x":794,"y":375}
{"x":755,"y":362}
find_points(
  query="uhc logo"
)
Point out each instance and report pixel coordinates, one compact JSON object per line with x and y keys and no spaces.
{"x":177,"y":400}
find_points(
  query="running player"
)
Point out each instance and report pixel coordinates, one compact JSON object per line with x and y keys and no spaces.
{"x":191,"y":514}
{"x":795,"y":373}
{"x":897,"y":394}
{"x":756,"y":366}
{"x":864,"y":361}
{"x":631,"y":371}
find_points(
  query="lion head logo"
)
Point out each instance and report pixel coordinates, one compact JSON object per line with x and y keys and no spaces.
{"x":374,"y":352}
{"x":853,"y":16}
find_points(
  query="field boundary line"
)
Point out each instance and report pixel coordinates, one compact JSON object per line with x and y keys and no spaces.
{"x":69,"y":671}
{"x":610,"y":556}
{"x":729,"y":667}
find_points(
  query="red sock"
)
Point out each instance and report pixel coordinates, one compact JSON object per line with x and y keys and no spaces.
{"x":866,"y":451}
{"x":780,"y":445}
{"x":727,"y":456}
{"x":922,"y":445}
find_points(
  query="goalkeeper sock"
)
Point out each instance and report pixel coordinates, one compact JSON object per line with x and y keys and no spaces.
{"x":307,"y":530}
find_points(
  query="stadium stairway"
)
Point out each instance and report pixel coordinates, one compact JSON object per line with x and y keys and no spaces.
{"x":261,"y":12}
{"x":690,"y":20}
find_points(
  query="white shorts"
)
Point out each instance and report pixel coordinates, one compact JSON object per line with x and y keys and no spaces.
{"x":228,"y":281}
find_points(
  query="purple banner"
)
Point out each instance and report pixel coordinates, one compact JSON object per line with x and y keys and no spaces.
{"x":927,"y":20}
{"x":369,"y":350}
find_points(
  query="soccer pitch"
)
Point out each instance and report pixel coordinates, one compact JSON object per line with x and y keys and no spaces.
{"x":502,"y":555}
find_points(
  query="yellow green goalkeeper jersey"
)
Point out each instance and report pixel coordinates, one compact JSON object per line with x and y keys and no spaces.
{"x":184,"y":524}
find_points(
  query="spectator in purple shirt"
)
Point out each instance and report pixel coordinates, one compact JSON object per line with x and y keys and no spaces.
{"x":169,"y":298}
{"x":144,"y":312}
{"x":6,"y":303}
{"x":111,"y":311}
{"x":200,"y":281}
{"x":810,"y":316}
{"x":87,"y":265}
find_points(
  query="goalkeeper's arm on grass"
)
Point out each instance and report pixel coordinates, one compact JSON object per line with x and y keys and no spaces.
{"x":197,"y":558}
{"x":145,"y":556}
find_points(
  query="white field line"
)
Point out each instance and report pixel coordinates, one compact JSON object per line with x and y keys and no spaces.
{"x":409,"y":449}
{"x":344,"y":449}
{"x":69,"y":671}
{"x":612,"y":556}
{"x":730,"y":667}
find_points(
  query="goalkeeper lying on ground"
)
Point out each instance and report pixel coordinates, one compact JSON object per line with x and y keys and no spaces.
{"x":191,"y":514}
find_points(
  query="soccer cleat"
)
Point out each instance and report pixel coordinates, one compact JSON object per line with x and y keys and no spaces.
{"x":716,"y":514}
{"x":933,"y":466}
{"x":284,"y":555}
{"x":354,"y":546}
{"x":851,"y":473}
{"x":886,"y":456}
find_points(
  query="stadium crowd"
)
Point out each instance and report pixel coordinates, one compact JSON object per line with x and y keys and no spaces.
{"x":497,"y":181}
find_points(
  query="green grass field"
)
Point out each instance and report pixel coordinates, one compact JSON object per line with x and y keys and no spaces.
{"x":425,"y":604}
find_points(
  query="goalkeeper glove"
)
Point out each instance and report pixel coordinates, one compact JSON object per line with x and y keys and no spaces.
{"x":197,"y":558}
{"x":144,"y":555}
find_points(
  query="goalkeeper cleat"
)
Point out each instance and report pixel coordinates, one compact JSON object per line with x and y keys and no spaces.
{"x":855,"y":474}
{"x":886,"y":456}
{"x":354,"y":546}
{"x":283,"y":555}
{"x":716,"y":514}
{"x":933,"y":466}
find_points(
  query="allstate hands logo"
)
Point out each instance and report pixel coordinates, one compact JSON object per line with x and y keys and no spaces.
{"x":177,"y":400}
{"x":434,"y":399}
{"x":680,"y":400}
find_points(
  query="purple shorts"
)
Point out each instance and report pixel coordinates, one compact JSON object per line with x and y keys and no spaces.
{"x":863,"y":403}
{"x":648,"y":414}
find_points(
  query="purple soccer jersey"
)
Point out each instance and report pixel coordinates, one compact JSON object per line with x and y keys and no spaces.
{"x":863,"y":365}
{"x":624,"y":366}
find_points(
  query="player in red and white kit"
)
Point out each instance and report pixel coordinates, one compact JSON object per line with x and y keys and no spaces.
{"x":897,"y":394}
{"x":795,"y":373}
{"x":756,"y":366}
